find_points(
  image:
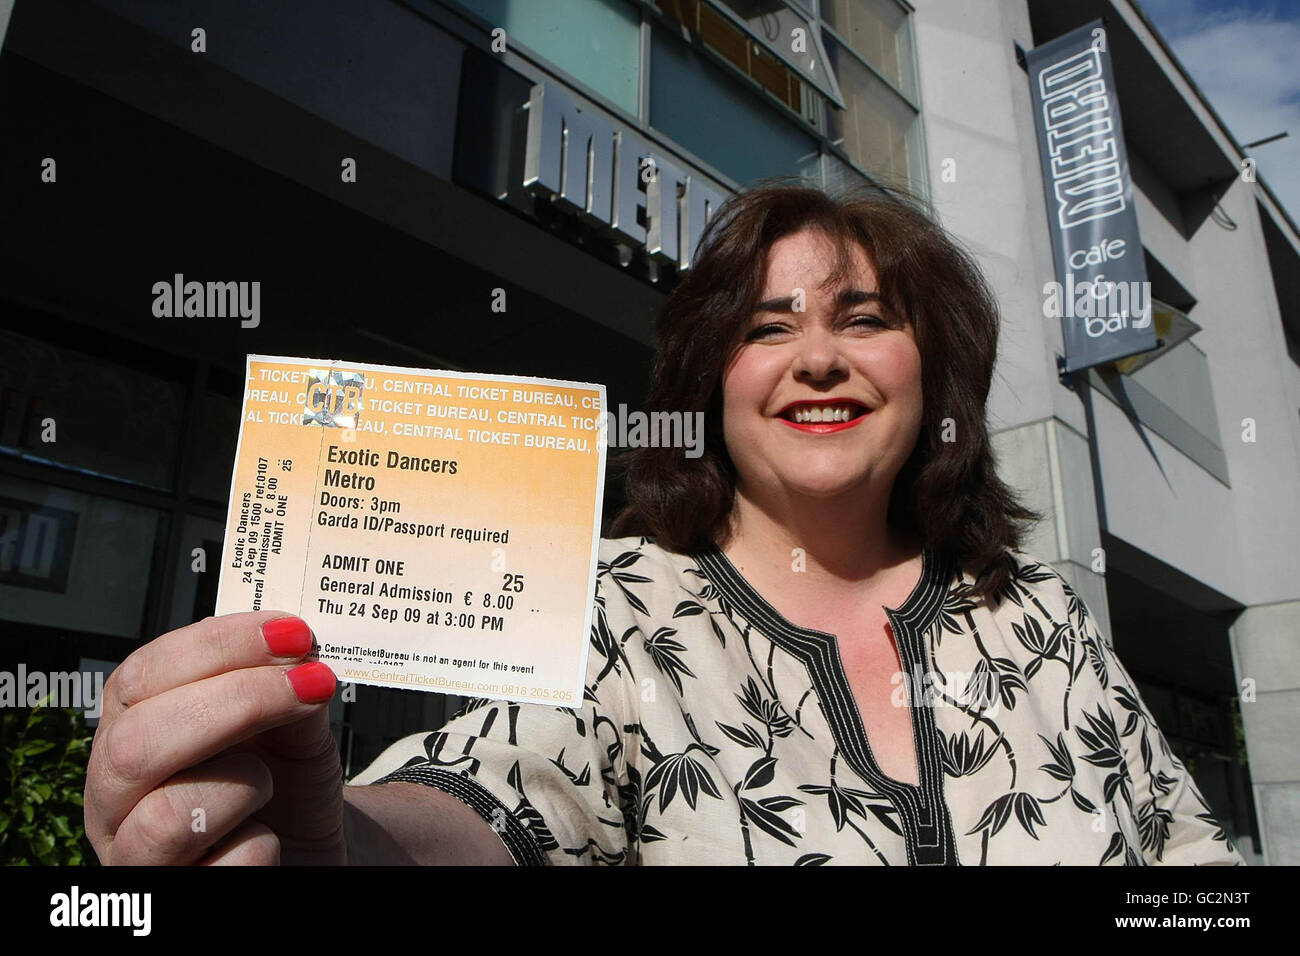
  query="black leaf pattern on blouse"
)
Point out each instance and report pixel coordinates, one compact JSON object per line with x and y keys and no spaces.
{"x":1062,"y":765}
{"x":666,"y":654}
{"x":813,"y":859}
{"x":650,"y":779}
{"x":680,"y":772}
{"x":749,"y":737}
{"x":688,"y":609}
{"x":1116,"y":847}
{"x":764,"y":815}
{"x":961,"y":756}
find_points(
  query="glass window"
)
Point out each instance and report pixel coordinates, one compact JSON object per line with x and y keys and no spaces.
{"x":729,"y":41}
{"x":108,"y":419}
{"x":838,"y":176}
{"x":213,"y":454}
{"x":879,"y":32}
{"x":1181,"y":380}
{"x":788,"y":53}
{"x":597,"y":42}
{"x":878,"y":129}
{"x":92,"y":665}
{"x":73,"y":560}
{"x":717,"y":118}
{"x":194,"y":591}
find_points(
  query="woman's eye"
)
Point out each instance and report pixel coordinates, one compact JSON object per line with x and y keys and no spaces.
{"x":772,"y":328}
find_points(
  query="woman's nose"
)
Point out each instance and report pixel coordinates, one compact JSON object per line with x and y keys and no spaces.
{"x":819,"y":355}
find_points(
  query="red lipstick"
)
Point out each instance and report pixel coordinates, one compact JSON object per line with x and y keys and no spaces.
{"x":825,"y":428}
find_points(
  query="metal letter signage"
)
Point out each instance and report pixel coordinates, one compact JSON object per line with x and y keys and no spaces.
{"x":589,"y":164}
{"x":1102,"y":298}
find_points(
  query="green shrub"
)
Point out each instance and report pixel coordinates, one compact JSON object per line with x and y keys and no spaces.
{"x":44,"y":753}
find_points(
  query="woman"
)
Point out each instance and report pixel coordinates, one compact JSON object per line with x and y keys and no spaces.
{"x":817,"y":642}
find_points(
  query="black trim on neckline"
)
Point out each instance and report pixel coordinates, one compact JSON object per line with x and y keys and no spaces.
{"x":923,"y":813}
{"x":935,"y":573}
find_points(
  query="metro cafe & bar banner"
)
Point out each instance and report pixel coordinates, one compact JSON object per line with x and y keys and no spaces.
{"x":1101,"y":296}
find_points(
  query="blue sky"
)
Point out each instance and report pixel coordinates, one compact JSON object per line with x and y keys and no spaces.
{"x":1245,"y":57}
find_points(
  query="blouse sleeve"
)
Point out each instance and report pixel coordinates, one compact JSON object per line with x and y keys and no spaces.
{"x":548,"y":780}
{"x":1173,"y":820}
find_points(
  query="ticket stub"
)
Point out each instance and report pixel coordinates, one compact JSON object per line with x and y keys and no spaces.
{"x":437,"y":530}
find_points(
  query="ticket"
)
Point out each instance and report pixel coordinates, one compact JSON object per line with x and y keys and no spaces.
{"x":437,"y":530}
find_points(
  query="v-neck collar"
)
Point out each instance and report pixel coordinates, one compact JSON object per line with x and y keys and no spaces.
{"x":923,"y":813}
{"x":919,"y":608}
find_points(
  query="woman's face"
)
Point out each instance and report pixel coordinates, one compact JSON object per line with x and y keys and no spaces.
{"x":819,"y":402}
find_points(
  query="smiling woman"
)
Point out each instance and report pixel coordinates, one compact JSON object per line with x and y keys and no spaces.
{"x":765,"y":609}
{"x":799,"y":297}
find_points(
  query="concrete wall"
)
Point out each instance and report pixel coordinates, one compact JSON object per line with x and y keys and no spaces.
{"x":976,"y":111}
{"x":1265,"y":653}
{"x":1240,"y":540}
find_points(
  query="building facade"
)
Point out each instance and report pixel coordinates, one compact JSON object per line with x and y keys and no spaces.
{"x":382,"y":167}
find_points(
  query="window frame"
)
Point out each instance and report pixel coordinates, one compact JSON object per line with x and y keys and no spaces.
{"x":472,"y":28}
{"x":174,"y":504}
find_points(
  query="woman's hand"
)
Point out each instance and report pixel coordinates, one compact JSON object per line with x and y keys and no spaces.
{"x":214,"y":747}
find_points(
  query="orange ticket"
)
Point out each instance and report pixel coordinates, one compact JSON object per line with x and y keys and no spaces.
{"x":438,"y":530}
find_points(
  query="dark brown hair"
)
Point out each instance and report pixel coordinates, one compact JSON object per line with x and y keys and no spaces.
{"x":947,"y":492}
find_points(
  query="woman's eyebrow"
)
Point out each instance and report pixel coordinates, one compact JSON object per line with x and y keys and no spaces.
{"x":845,"y":297}
{"x":857,"y":297}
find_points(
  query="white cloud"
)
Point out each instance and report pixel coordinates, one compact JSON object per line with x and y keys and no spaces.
{"x":1247,"y":64}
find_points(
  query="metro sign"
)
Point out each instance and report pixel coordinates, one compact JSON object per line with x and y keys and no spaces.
{"x":604,"y":173}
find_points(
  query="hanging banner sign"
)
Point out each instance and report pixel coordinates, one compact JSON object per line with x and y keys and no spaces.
{"x":1101,"y":294}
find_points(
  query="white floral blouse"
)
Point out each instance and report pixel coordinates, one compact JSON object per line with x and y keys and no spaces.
{"x":713,"y":730}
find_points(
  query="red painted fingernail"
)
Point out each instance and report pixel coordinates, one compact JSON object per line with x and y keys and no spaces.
{"x":312,"y":682}
{"x":287,"y":636}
